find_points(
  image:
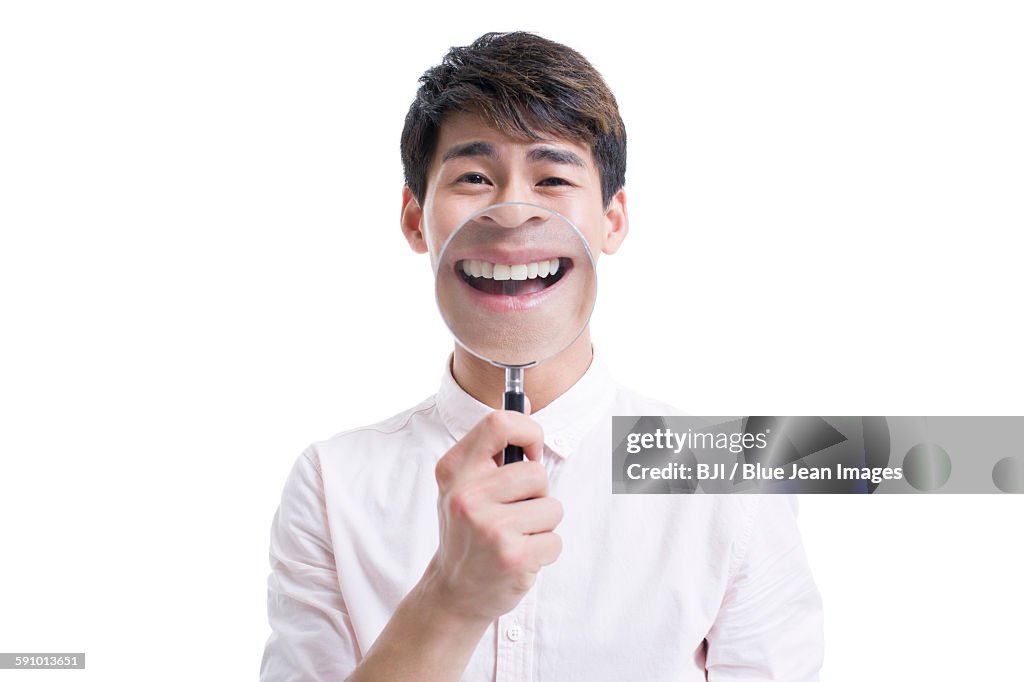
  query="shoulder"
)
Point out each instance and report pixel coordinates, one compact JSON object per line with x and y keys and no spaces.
{"x":386,"y":427}
{"x":382,"y":439}
{"x":377,"y":476}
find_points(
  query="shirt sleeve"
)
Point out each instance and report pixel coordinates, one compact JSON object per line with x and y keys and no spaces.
{"x":311,"y":635}
{"x":771,"y":624}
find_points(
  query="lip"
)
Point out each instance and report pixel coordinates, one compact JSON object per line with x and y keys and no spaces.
{"x":507,"y":304}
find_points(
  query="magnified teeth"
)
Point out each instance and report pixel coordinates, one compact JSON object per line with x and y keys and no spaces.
{"x":517,"y":271}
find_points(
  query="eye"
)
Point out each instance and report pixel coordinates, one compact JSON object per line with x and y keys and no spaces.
{"x":473,"y":179}
{"x":554,"y":182}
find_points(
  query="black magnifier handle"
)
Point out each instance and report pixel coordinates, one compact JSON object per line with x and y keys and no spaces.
{"x":515,"y":400}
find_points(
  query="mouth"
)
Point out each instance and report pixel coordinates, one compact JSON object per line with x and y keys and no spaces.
{"x":516,"y":280}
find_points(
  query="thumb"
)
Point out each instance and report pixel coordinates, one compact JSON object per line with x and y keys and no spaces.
{"x":527,"y":408}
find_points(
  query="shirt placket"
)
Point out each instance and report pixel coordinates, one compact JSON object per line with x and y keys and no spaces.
{"x":517,"y":640}
{"x":517,"y":631}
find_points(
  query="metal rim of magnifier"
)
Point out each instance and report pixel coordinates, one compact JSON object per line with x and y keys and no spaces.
{"x":472,"y":217}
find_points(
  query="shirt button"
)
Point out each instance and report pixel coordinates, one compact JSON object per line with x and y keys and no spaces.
{"x":559,"y":442}
{"x":514,"y":632}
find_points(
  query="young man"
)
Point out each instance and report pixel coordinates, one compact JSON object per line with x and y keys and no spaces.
{"x":403,"y":551}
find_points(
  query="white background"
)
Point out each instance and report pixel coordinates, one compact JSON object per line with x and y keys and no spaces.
{"x":201,"y":272}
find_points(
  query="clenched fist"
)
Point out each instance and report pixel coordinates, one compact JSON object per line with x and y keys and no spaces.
{"x":496,"y":522}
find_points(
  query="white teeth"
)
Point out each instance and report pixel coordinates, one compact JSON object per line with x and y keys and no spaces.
{"x":502,"y":271}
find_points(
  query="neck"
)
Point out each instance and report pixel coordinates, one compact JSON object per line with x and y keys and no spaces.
{"x":542,"y":383}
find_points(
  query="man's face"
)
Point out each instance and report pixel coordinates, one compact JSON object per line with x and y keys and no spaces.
{"x":542,"y":296}
{"x":475,"y":166}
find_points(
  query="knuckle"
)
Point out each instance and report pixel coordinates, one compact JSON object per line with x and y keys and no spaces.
{"x":553,"y":550}
{"x":463,"y":502}
{"x":495,"y":529}
{"x":557,"y":510}
{"x":538,"y":475}
{"x":443,"y":471}
{"x":510,"y":558}
{"x":497,"y":421}
{"x":492,"y":535}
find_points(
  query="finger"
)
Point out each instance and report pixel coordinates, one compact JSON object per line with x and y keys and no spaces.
{"x":544,"y":547}
{"x":499,"y":459}
{"x":492,"y":434}
{"x":532,"y":455}
{"x":512,"y":484}
{"x":540,"y":515}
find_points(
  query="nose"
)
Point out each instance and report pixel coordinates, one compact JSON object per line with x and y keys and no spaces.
{"x":513,"y":214}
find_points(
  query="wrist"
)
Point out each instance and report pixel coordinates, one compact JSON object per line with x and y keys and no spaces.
{"x":434,"y":595}
{"x":424,"y":640}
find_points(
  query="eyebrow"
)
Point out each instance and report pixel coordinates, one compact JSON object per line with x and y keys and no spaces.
{"x":486,"y":149}
{"x":470,"y":149}
{"x":556,"y":156}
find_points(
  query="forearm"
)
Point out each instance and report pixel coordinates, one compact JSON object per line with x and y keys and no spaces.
{"x":422,"y":641}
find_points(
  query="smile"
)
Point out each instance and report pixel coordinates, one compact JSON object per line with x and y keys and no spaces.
{"x":513,"y":279}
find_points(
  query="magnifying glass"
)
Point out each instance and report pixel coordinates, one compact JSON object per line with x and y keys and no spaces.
{"x":516,"y":285}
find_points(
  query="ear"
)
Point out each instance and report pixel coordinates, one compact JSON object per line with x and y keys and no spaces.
{"x":412,"y":222}
{"x":616,"y":221}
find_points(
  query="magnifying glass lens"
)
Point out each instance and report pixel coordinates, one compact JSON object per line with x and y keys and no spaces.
{"x":515,"y":295}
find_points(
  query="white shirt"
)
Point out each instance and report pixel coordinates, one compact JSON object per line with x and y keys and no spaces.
{"x":647,"y":588}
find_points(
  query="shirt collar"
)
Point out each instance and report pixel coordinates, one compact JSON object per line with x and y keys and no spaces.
{"x":566,"y":420}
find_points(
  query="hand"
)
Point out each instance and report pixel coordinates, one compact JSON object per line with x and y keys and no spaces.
{"x":496,"y":522}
